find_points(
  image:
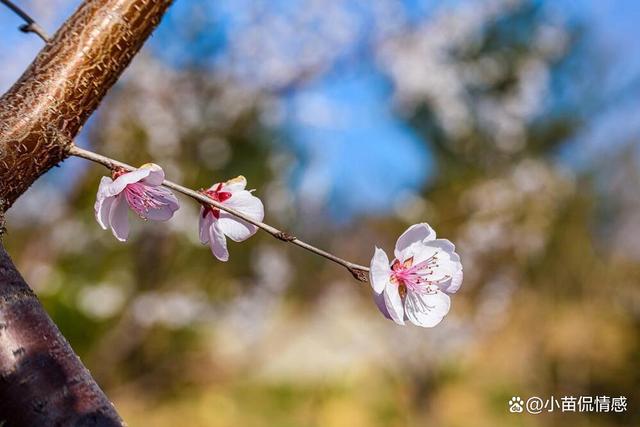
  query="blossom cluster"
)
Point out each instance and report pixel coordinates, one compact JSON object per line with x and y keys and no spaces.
{"x":414,"y":286}
{"x":142,"y":192}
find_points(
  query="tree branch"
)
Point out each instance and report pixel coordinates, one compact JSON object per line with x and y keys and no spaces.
{"x":42,"y":381}
{"x":45,"y":109}
{"x":358,"y":271}
{"x":31,"y":25}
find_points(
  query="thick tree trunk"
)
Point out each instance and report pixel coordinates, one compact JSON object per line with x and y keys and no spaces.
{"x":42,"y":381}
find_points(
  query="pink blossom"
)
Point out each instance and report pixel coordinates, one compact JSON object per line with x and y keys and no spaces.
{"x":416,"y":284}
{"x":140,"y":190}
{"x":216,"y":225}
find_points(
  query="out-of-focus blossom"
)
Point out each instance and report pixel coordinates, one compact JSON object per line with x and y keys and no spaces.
{"x":217,"y":225}
{"x":140,"y":190}
{"x":415,"y":285}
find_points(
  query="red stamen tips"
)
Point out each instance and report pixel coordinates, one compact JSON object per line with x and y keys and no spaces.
{"x":216,"y":195}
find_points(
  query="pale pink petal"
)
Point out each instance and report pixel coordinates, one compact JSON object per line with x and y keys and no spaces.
{"x":379,"y":271}
{"x":125,"y":179}
{"x":451,"y":286}
{"x":447,"y":265}
{"x":155,"y":176}
{"x":245,"y":202}
{"x":204,"y":224}
{"x":379,"y":300}
{"x":393,"y":302}
{"x":236,"y":229}
{"x":218,"y":243}
{"x":419,"y":252}
{"x":163,"y":213}
{"x":415,"y":234}
{"x":444,"y":244}
{"x":456,"y":281}
{"x":118,"y":218}
{"x":103,"y":203}
{"x":236,"y":184}
{"x":104,"y":189}
{"x":169,"y":204}
{"x":426,"y":310}
{"x":109,"y":188}
{"x":103,"y":207}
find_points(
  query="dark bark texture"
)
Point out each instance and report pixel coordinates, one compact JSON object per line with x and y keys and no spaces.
{"x":42,"y":381}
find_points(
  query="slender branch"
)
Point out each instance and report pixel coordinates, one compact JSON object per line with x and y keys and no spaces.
{"x":358,"y":271}
{"x":31,"y":25}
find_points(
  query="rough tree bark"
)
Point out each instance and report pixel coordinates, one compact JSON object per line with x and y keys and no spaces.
{"x":42,"y":381}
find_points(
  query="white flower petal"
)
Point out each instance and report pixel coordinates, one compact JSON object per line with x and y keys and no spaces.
{"x":163,"y":213}
{"x":103,"y":203}
{"x":379,"y":271}
{"x":205,"y":223}
{"x":426,"y":310}
{"x":417,"y":233}
{"x":443,"y":263}
{"x":236,"y":184}
{"x":455,"y":271}
{"x":218,"y":242}
{"x":246,"y":203}
{"x":236,"y":229}
{"x":379,"y":300}
{"x":456,"y":282}
{"x":109,"y":188}
{"x":420,"y":252}
{"x":155,"y":176}
{"x":447,"y":262}
{"x":393,"y":302}
{"x":102,"y":211}
{"x":104,"y":189}
{"x":444,"y":244}
{"x":125,"y":179}
{"x":118,"y":218}
{"x":166,"y":211}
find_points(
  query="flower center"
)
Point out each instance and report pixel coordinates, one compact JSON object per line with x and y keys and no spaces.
{"x":410,"y":277}
{"x":219,"y":196}
{"x":142,"y":197}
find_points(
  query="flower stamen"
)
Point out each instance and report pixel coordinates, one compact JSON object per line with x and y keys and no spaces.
{"x":142,"y":198}
{"x":413,"y":277}
{"x":219,"y":196}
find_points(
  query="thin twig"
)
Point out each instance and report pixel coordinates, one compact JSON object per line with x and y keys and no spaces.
{"x":358,"y":271}
{"x":31,"y":25}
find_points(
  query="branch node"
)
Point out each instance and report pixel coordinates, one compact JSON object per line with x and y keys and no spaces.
{"x":359,"y":275}
{"x":284,"y":236}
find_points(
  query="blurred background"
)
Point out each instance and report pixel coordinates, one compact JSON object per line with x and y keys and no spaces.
{"x":510,"y":126}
